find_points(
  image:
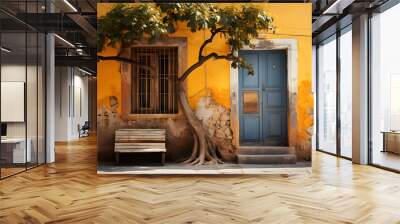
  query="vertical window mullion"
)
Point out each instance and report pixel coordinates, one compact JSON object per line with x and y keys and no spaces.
{"x":317,"y":96}
{"x":175,"y":81}
{"x":165,"y":80}
{"x":26,"y":87}
{"x":37,"y":91}
{"x":137,"y":77}
{"x":338,"y":75}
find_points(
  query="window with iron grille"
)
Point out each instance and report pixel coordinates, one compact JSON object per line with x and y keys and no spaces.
{"x":154,"y":79}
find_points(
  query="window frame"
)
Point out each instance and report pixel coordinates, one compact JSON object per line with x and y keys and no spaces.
{"x":155,"y":55}
{"x":126,"y":77}
{"x":334,"y":37}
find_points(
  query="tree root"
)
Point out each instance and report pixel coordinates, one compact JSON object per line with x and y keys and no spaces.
{"x":204,"y":149}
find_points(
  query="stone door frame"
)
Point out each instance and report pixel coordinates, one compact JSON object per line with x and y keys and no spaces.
{"x":290,"y":45}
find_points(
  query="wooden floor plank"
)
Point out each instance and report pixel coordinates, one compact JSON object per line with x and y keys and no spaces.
{"x":70,"y":191}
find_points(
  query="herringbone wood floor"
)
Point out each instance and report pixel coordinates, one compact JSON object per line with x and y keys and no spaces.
{"x":69,"y":191}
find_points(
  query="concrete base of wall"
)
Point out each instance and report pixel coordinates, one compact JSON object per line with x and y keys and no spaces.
{"x":221,"y":169}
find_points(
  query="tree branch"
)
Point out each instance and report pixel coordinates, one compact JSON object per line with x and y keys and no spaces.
{"x":201,"y":62}
{"x":209,"y":40}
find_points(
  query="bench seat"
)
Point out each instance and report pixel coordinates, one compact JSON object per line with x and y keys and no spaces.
{"x":140,"y":141}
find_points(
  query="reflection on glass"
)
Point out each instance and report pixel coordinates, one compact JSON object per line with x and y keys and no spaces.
{"x":14,"y":153}
{"x":327,"y":96}
{"x":250,"y":102}
{"x":346,"y":94}
{"x":23,"y":84}
{"x":385,"y":85}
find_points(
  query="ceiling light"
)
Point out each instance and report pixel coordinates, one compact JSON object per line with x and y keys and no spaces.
{"x":70,"y":5}
{"x":84,"y":71}
{"x":337,"y":7}
{"x":64,"y":40}
{"x":5,"y":50}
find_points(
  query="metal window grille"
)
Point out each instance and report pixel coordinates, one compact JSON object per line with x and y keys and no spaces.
{"x":154,"y":79}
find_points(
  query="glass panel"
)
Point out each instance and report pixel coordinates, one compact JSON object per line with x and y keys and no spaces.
{"x":23,"y":82}
{"x":13,"y":85}
{"x":385,"y":89}
{"x":250,"y":102}
{"x":327,"y":96}
{"x":346,"y":94}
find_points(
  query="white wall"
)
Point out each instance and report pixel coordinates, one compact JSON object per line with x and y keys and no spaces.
{"x":33,"y":127}
{"x":16,"y":73}
{"x":71,"y":102}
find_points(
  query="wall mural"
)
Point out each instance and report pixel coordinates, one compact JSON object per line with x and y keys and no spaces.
{"x":205,"y":100}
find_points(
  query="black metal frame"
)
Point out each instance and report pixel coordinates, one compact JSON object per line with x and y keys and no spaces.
{"x":44,"y":80}
{"x":339,"y":32}
{"x":338,"y":98}
{"x":370,"y":12}
{"x":369,"y":98}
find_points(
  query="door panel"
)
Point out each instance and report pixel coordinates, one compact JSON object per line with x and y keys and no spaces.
{"x":273,"y":98}
{"x":249,"y":87}
{"x":251,"y":127}
{"x":268,"y":126}
{"x":251,"y":81}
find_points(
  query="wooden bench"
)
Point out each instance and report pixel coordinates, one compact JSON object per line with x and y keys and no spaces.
{"x":140,"y":141}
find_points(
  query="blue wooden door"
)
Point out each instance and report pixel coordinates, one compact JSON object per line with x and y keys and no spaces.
{"x":263,"y":99}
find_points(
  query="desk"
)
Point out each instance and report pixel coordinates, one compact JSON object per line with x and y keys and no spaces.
{"x":17,"y":150}
{"x":391,"y":141}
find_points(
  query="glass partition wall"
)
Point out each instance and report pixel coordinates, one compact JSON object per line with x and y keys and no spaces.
{"x":22,"y":77}
{"x":327,"y":95}
{"x":385,"y":90}
{"x":334,"y":94}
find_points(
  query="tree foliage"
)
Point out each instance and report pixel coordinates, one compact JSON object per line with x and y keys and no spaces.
{"x":126,"y":24}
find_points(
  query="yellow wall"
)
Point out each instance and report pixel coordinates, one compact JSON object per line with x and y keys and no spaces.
{"x":292,"y":21}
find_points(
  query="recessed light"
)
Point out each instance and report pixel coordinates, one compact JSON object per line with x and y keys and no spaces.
{"x":5,"y":50}
{"x":64,"y":40}
{"x":84,"y":71}
{"x":70,"y":5}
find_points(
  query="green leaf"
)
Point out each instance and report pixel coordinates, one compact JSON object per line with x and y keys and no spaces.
{"x":125,"y":23}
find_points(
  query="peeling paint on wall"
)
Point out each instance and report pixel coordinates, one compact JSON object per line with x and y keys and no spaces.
{"x":305,"y":111}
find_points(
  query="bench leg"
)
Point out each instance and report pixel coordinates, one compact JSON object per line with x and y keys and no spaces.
{"x":117,"y":157}
{"x":163,"y":158}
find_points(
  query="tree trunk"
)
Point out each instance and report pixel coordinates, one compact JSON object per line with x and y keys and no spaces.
{"x":204,"y":149}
